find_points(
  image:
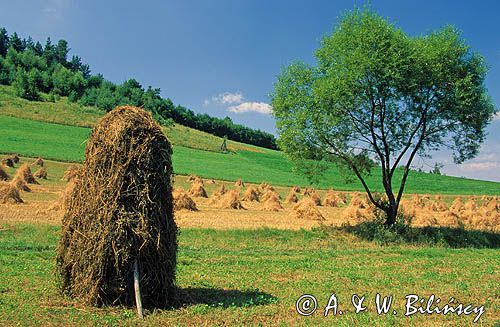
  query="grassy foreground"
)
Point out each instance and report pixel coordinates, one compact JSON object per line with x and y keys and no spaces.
{"x":67,"y":143}
{"x":254,"y":277}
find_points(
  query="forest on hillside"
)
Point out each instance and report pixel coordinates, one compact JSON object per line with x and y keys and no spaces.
{"x":35,"y":70}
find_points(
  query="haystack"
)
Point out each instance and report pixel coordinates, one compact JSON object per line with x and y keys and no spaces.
{"x":306,"y":209}
{"x":211,"y":181}
{"x":417,"y":202}
{"x":457,"y":205}
{"x":71,"y":173}
{"x":292,"y":197}
{"x":470,"y":205}
{"x":239,"y":183}
{"x":493,"y":205}
{"x":296,"y":189}
{"x":3,"y":173}
{"x":41,"y":173}
{"x":197,"y":190}
{"x":182,"y":201}
{"x":358,"y":201}
{"x":9,"y":193}
{"x":273,"y":204}
{"x":8,"y":162}
{"x":230,"y":200}
{"x":331,"y":200}
{"x":251,"y":194}
{"x":120,"y":215}
{"x":316,"y":198}
{"x":263,"y":186}
{"x":62,"y":202}
{"x":15,"y":158}
{"x":220,"y":192}
{"x":438,"y":206}
{"x":270,"y":193}
{"x":451,"y":219}
{"x":38,"y":162}
{"x":24,"y":173}
{"x":308,"y":191}
{"x":19,"y":183}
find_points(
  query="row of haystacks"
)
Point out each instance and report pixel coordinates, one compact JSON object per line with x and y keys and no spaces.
{"x":10,"y":189}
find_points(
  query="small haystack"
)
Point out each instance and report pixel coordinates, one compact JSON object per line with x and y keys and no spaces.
{"x":211,"y":181}
{"x":71,"y":173}
{"x":316,"y":197}
{"x":417,"y":202}
{"x":331,"y":200}
{"x":263,"y":186}
{"x":251,"y":194}
{"x":230,"y":200}
{"x":41,"y":173}
{"x":270,"y":193}
{"x":8,"y":162}
{"x":24,"y":173}
{"x":220,"y":192}
{"x":308,"y":191}
{"x":197,"y":190}
{"x":3,"y":173}
{"x":239,"y":183}
{"x":20,"y":184}
{"x":62,"y":202}
{"x":493,"y":205}
{"x":306,"y":209}
{"x":120,"y":215}
{"x":182,"y":201}
{"x":291,"y":197}
{"x":437,"y":206}
{"x":457,"y":205}
{"x":451,"y":219}
{"x":273,"y":204}
{"x":470,"y":205}
{"x":9,"y":193}
{"x":15,"y":158}
{"x":38,"y":162}
{"x":359,"y":201}
{"x":296,"y":189}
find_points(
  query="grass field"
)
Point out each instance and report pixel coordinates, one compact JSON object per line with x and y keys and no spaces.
{"x":67,"y":143}
{"x":254,"y":277}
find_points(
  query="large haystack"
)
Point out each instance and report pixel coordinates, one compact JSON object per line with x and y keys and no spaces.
{"x":24,"y":173}
{"x":41,"y":173}
{"x":38,"y":162}
{"x":306,"y":209}
{"x":273,"y":204}
{"x":3,"y":173}
{"x":71,"y":173}
{"x":121,"y":212}
{"x":182,"y":201}
{"x":251,"y":194}
{"x":197,"y":190}
{"x":230,"y":200}
{"x":9,"y":193}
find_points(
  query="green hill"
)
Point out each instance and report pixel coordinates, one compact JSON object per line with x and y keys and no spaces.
{"x":59,"y":131}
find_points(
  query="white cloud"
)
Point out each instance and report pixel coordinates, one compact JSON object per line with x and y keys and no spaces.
{"x":260,"y":107}
{"x":225,"y":98}
{"x":496,"y":116}
{"x":481,"y":165}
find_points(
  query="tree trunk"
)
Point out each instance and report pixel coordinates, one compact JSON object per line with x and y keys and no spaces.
{"x":391,"y":213}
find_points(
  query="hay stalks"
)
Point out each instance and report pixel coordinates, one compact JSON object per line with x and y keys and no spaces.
{"x":24,"y":173}
{"x":270,"y":193}
{"x":8,"y":162}
{"x":62,"y":202}
{"x":273,"y":204}
{"x":220,"y":192}
{"x":295,"y":189}
{"x":316,"y":197}
{"x":197,"y":190}
{"x":9,"y":193}
{"x":331,"y":200}
{"x":457,"y":205}
{"x":38,"y":162}
{"x":306,"y":209}
{"x":239,"y":183}
{"x":251,"y":194}
{"x":121,"y":211}
{"x":20,"y":184}
{"x":71,"y":173}
{"x":182,"y":201}
{"x":41,"y":173}
{"x":291,"y":197}
{"x":230,"y":200}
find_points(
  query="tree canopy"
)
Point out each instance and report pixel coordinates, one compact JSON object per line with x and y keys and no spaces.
{"x":379,"y":97}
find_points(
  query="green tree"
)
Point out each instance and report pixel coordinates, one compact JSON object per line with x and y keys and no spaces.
{"x":378,"y":98}
{"x":25,"y":84}
{"x":4,"y":42}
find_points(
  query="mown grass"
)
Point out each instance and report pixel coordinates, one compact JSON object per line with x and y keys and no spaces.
{"x":72,"y":114}
{"x":67,"y":143}
{"x":254,"y":277}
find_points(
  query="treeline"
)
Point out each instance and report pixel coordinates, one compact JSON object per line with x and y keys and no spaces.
{"x":34,"y":70}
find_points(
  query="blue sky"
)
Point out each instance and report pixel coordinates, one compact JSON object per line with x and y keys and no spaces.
{"x":222,"y":57}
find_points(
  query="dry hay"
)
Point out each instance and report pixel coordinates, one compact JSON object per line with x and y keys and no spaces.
{"x":8,"y":162}
{"x":182,"y":201}
{"x":425,"y":219}
{"x":119,"y":213}
{"x":15,"y":158}
{"x":470,"y":205}
{"x":457,"y":205}
{"x":197,"y":180}
{"x":62,"y":202}
{"x":38,"y":162}
{"x":355,"y":214}
{"x":71,"y":173}
{"x":220,"y":192}
{"x":296,"y":189}
{"x":316,"y":197}
{"x":357,"y":200}
{"x":211,"y":181}
{"x":291,"y":197}
{"x":331,"y":200}
{"x":41,"y":173}
{"x":239,"y":183}
{"x":417,"y":202}
{"x":437,"y":206}
{"x":306,"y":209}
{"x":251,"y":194}
{"x":20,"y":184}
{"x":426,"y":197}
{"x":24,"y":173}
{"x":308,"y":191}
{"x":230,"y":200}
{"x":192,"y":178}
{"x":9,"y":193}
{"x":273,"y":204}
{"x":270,"y":193}
{"x":197,"y":190}
{"x":451,"y":219}
{"x":492,"y":205}
{"x":263,"y":186}
{"x":3,"y":174}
